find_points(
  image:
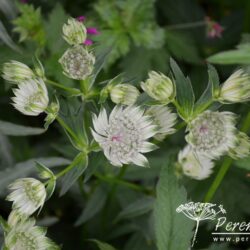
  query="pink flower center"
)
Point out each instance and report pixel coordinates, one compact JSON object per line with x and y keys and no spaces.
{"x":203,"y":129}
{"x":116,"y":138}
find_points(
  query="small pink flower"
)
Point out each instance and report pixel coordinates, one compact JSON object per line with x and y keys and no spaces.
{"x":88,"y":42}
{"x":81,"y":18}
{"x":214,"y":29}
{"x":92,"y":31}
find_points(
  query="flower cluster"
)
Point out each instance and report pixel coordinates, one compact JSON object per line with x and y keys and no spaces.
{"x":214,"y":29}
{"x":77,"y":62}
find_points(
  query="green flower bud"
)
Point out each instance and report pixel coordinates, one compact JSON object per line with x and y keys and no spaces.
{"x":242,"y":147}
{"x":16,"y":72}
{"x":77,"y":62}
{"x":159,"y":87}
{"x":236,"y":88}
{"x":124,"y":94}
{"x":74,"y":32}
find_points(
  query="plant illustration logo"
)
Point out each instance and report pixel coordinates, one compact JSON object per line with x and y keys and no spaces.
{"x":199,"y":211}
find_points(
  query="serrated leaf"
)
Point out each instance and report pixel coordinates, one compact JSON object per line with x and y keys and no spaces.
{"x":25,"y":168}
{"x":53,"y":29}
{"x":137,"y":208}
{"x":102,"y":245}
{"x":184,"y":92}
{"x":173,"y":231}
{"x":182,"y":46}
{"x":94,"y":205}
{"x":77,"y":167}
{"x":8,"y":128}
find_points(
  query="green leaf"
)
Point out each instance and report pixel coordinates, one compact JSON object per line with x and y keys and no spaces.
{"x":173,"y":231}
{"x":137,"y":208}
{"x":184,"y":92}
{"x":72,"y":113}
{"x":103,"y":245}
{"x":53,"y":29}
{"x":212,"y":89}
{"x":240,"y":56}
{"x":182,"y":46}
{"x":94,"y":205}
{"x":8,"y":128}
{"x":77,"y":167}
{"x":25,"y":168}
{"x":243,"y":163}
{"x":46,"y":173}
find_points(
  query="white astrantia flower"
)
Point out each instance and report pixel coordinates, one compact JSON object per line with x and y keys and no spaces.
{"x":25,"y":235}
{"x":236,"y":88}
{"x":194,"y":165}
{"x":74,"y":32}
{"x":164,"y":119}
{"x":77,"y":62}
{"x":126,"y":94}
{"x":16,"y":72}
{"x":212,"y":133}
{"x":159,"y":87}
{"x":123,"y":136}
{"x":241,"y":148}
{"x":28,"y":195}
{"x":31,"y":97}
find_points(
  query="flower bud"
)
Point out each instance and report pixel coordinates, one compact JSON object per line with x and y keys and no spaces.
{"x":196,"y":166}
{"x":124,"y":94}
{"x":26,"y":235}
{"x":159,"y":87}
{"x":28,"y":195}
{"x":164,"y":119}
{"x":31,"y":97}
{"x":74,"y":32}
{"x":212,"y":133}
{"x":16,"y":72}
{"x":242,"y":147}
{"x":77,"y":62}
{"x":236,"y":88}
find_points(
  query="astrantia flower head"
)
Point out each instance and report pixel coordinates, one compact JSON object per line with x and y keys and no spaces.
{"x":77,"y":62}
{"x":194,"y":165}
{"x":16,"y":72}
{"x":236,"y":88}
{"x":164,"y":119}
{"x":31,"y":97}
{"x":214,"y":29}
{"x":28,"y":195}
{"x":159,"y":87}
{"x":124,"y":94}
{"x":241,"y":148}
{"x":26,"y":236}
{"x":123,"y":136}
{"x":74,"y":32}
{"x":212,"y":133}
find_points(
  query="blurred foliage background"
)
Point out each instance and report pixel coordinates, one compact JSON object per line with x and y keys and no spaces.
{"x":144,"y":34}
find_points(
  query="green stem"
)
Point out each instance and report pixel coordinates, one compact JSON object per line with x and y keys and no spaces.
{"x":112,"y":180}
{"x":186,"y":25}
{"x":58,"y":85}
{"x":67,"y":128}
{"x":218,"y":179}
{"x":225,"y":166}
